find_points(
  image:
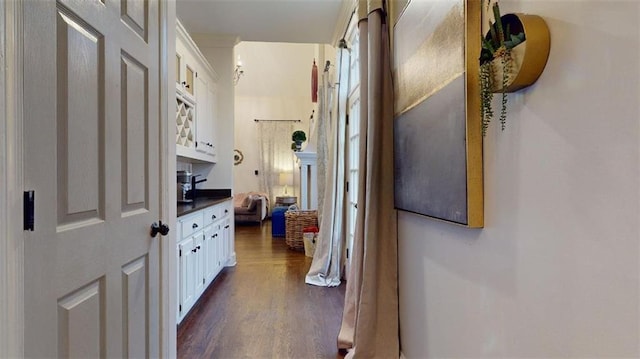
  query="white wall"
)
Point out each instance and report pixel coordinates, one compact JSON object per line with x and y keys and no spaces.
{"x":276,"y":85}
{"x":555,"y":271}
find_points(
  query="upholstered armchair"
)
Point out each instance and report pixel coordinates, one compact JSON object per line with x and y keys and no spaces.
{"x":250,"y":207}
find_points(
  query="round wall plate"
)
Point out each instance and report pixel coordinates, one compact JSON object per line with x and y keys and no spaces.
{"x":237,"y":157}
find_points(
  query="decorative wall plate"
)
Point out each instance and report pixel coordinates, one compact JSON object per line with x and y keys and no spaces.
{"x":237,"y":157}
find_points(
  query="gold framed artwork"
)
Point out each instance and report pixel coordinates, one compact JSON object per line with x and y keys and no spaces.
{"x":437,"y":124}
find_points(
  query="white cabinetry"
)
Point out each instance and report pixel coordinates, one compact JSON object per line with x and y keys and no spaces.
{"x":196,"y":110}
{"x":205,"y":99}
{"x":205,"y":246}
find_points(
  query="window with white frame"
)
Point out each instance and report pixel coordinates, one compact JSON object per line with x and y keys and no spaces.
{"x":353,"y":137}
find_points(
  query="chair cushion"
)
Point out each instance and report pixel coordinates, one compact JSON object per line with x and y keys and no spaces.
{"x":253,"y":202}
{"x":244,"y":211}
{"x":246,"y":201}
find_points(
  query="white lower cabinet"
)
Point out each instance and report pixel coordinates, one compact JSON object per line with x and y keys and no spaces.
{"x":187,"y":265}
{"x":205,"y":246}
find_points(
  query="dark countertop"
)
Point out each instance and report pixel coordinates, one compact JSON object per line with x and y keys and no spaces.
{"x":207,"y":198}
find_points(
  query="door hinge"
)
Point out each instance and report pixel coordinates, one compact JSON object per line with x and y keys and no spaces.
{"x":347,"y":116}
{"x":196,"y":74}
{"x":347,"y":186}
{"x":347,"y":252}
{"x":180,"y":308}
{"x":180,"y":253}
{"x":29,"y":210}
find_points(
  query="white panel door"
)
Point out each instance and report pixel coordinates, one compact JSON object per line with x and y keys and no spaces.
{"x":91,"y":109}
{"x":210,"y":253}
{"x":200,"y":258}
{"x":203,"y":116}
{"x":226,"y":242}
{"x":187,"y":275}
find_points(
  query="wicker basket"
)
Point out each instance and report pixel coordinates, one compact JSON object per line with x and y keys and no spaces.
{"x":295,"y":222}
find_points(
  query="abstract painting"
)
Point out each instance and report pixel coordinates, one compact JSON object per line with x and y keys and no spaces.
{"x":437,"y":125}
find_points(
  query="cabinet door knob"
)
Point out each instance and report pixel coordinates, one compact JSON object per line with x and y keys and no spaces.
{"x":194,"y":250}
{"x":213,"y":216}
{"x":194,"y":226}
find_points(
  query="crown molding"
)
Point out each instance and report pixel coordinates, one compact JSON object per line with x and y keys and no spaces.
{"x":214,"y":40}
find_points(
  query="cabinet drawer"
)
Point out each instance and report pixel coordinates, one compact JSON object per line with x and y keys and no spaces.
{"x":191,"y":224}
{"x":212,"y":214}
{"x":225,"y":209}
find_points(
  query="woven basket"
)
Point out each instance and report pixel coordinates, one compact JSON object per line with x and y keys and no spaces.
{"x":295,"y":222}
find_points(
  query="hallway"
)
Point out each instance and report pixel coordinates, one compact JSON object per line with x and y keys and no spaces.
{"x":262,"y":308}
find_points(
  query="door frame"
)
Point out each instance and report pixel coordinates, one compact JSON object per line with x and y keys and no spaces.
{"x":12,"y":183}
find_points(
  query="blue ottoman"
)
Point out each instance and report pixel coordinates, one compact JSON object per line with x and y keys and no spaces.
{"x":278,"y":228}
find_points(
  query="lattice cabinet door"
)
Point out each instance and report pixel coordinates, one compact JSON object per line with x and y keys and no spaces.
{"x":184,"y":123}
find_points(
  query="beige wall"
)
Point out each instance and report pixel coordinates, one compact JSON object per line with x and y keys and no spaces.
{"x":276,"y":85}
{"x":555,"y":272}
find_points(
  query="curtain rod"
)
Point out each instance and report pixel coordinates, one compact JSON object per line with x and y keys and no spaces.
{"x":259,"y":120}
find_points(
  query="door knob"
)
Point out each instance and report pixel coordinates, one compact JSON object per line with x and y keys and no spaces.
{"x":161,"y":228}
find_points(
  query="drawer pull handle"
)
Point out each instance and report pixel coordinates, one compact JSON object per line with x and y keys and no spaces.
{"x":194,"y":226}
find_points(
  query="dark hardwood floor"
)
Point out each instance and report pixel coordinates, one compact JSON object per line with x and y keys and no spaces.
{"x":262,"y":308}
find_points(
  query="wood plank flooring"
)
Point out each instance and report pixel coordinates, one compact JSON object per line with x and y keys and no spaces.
{"x":262,"y":308}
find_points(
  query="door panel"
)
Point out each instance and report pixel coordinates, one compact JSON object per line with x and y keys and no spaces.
{"x":81,"y":322}
{"x":80,"y":84}
{"x":134,"y":137}
{"x":135,"y":293}
{"x":91,"y":144}
{"x":135,"y":14}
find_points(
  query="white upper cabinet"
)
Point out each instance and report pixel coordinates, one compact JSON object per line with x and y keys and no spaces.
{"x":196,"y":110}
{"x":205,"y":98}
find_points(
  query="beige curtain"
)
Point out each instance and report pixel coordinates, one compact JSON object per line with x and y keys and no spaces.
{"x":326,"y":265}
{"x":370,"y":318}
{"x":276,"y":156}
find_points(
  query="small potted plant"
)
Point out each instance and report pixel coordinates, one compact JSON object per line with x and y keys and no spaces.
{"x":298,"y":137}
{"x":509,"y":59}
{"x":496,"y":46}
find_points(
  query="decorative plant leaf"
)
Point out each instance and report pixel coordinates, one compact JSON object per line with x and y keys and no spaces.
{"x":497,"y":17}
{"x":514,"y":41}
{"x":494,"y":35}
{"x":488,"y":46}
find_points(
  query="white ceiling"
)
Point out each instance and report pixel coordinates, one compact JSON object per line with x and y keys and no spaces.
{"x":300,"y":21}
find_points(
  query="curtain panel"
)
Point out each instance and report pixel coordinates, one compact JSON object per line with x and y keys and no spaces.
{"x":370,"y":318}
{"x":326,"y":266}
{"x":276,"y":156}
